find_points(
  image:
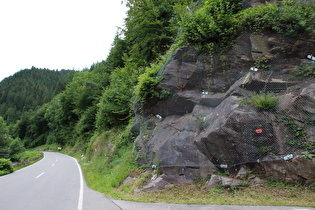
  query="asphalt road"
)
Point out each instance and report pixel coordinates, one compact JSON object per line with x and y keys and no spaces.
{"x":56,"y":183}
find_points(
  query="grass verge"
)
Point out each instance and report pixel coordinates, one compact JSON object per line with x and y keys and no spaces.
{"x":107,"y":162}
{"x":27,"y":158}
{"x":272,"y":195}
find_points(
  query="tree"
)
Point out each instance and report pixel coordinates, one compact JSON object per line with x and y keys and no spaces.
{"x":16,"y":146}
{"x":33,"y":127}
{"x":115,"y":59}
{"x":114,"y":107}
{"x":149,"y":32}
{"x":4,"y":139}
{"x":29,"y":88}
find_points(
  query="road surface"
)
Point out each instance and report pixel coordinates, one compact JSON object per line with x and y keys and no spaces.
{"x":56,"y":183}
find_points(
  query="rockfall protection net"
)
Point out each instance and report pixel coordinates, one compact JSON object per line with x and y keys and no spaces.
{"x":284,"y":127}
{"x":279,"y":132}
{"x":280,"y":123}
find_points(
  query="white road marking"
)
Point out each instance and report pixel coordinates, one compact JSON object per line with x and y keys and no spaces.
{"x":80,"y":202}
{"x":52,"y":165}
{"x":40,"y":175}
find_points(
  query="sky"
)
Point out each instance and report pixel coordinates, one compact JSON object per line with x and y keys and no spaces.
{"x":57,"y":34}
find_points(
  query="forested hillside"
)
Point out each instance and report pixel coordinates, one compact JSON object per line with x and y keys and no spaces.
{"x":28,"y":89}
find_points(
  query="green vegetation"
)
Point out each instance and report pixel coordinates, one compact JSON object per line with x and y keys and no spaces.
{"x":275,"y":193}
{"x":28,"y":89}
{"x":296,"y":135}
{"x":8,"y":146}
{"x":306,"y":70}
{"x":218,"y":22}
{"x":214,"y":25}
{"x":146,"y":87}
{"x":105,"y":173}
{"x":90,"y":112}
{"x":262,"y":150}
{"x":296,"y":129}
{"x":26,"y":158}
{"x":308,"y":155}
{"x":101,"y":98}
{"x":114,"y":107}
{"x":151,"y":27}
{"x":202,"y":123}
{"x":108,"y":161}
{"x":5,"y":167}
{"x":287,"y":17}
{"x":262,"y":64}
{"x":264,"y":101}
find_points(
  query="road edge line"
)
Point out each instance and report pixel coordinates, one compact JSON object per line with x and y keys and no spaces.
{"x":80,"y":202}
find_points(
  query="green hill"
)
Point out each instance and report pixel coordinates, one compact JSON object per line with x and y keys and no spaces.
{"x":28,"y":89}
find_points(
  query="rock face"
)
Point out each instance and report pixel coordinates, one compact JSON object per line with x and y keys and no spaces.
{"x":298,"y":169}
{"x":205,"y":125}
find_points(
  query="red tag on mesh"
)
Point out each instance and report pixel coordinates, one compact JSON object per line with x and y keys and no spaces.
{"x":260,"y":130}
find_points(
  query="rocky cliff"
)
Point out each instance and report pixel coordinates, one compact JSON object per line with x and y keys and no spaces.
{"x":207,"y":125}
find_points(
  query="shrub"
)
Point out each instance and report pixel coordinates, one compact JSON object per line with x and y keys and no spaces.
{"x":128,"y":135}
{"x":214,"y":23}
{"x":265,"y":101}
{"x":114,"y":106}
{"x":218,"y":22}
{"x":148,"y":81}
{"x":26,"y":156}
{"x":16,"y":146}
{"x":5,"y":167}
{"x":147,"y":86}
{"x":287,"y":17}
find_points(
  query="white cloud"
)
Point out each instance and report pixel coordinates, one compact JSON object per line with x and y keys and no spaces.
{"x":56,"y":34}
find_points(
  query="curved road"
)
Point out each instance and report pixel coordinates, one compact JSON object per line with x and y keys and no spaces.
{"x":56,"y":183}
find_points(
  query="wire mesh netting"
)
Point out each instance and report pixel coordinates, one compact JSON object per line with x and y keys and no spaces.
{"x":284,"y":124}
{"x":277,"y":122}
